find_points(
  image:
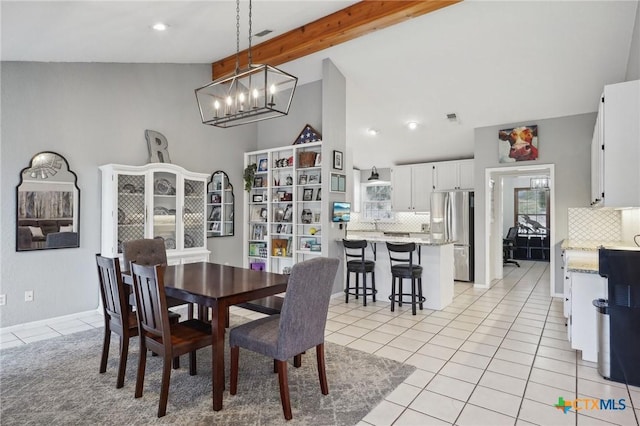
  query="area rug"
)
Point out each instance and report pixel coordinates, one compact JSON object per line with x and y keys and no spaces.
{"x":57,"y":382}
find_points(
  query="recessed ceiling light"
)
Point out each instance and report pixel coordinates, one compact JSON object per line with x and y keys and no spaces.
{"x":372,"y":132}
{"x":412,"y":125}
{"x":160,"y":26}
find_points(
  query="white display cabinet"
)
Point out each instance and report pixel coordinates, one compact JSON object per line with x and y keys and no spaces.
{"x":154,"y":200}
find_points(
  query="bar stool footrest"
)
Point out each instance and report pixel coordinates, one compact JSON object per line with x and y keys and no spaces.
{"x":408,"y":302}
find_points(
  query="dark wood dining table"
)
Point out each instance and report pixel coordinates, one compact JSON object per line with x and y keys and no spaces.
{"x":218,"y":287}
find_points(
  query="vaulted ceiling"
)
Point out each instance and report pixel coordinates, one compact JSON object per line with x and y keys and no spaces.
{"x":489,"y":62}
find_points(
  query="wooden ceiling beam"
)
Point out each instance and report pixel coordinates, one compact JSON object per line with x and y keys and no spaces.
{"x":351,"y":22}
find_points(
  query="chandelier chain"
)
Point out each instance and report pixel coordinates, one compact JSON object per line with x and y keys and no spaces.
{"x":249,"y":65}
{"x":237,"y":35}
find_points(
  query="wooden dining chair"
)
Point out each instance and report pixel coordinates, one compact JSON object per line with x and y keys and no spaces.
{"x":149,"y":252}
{"x":119,"y":316}
{"x":299,"y":327}
{"x":157,"y":334}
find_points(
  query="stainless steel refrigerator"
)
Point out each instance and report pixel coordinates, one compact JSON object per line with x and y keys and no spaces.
{"x":452,"y":219}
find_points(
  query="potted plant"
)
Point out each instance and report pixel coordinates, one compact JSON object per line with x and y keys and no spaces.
{"x":249,"y":174}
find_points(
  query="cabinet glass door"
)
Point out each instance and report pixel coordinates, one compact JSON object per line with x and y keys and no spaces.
{"x":164,"y":208}
{"x":131,"y":217}
{"x":193,"y":213}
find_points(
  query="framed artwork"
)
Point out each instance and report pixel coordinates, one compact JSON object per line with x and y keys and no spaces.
{"x":308,"y":194}
{"x":306,"y":243}
{"x":257,"y":198}
{"x":319,"y":195}
{"x":338,"y":183}
{"x":302,"y":180}
{"x":257,"y":182}
{"x":262,"y":165}
{"x":318,"y":162}
{"x":337,"y":160}
{"x":518,"y":144}
{"x":263,"y":214}
{"x":315,"y":179}
{"x":288,"y":213}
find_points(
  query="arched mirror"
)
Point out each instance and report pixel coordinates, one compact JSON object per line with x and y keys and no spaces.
{"x":220,"y":206}
{"x":48,"y":200}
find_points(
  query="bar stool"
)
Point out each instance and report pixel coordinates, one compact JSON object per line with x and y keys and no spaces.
{"x":355,"y":249}
{"x":402,"y":266}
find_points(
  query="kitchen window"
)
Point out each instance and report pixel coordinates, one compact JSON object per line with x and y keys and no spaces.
{"x":376,"y":202}
{"x":531,"y":211}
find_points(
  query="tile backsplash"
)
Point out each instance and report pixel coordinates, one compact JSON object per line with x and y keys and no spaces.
{"x":595,"y":224}
{"x":404,"y":222}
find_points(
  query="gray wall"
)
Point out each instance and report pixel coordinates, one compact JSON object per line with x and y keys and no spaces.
{"x":95,"y":114}
{"x":306,"y":108}
{"x":563,"y":141}
{"x":633,"y":66}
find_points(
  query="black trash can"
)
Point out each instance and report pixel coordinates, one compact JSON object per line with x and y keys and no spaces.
{"x":604,"y":345}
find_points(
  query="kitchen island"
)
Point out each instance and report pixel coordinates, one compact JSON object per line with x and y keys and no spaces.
{"x":436,"y":259}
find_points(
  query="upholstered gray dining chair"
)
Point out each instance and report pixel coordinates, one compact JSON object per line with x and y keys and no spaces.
{"x":61,"y":239}
{"x":299,"y":327}
{"x":149,"y":252}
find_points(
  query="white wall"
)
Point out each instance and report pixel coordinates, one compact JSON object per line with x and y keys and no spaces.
{"x":633,"y":66}
{"x":95,"y":114}
{"x":563,"y":141}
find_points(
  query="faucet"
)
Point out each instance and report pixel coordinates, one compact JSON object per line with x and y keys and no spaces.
{"x":375,"y":223}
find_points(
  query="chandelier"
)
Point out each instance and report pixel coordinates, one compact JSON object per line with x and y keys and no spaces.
{"x":255,"y":93}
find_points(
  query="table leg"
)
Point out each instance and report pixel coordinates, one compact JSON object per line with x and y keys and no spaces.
{"x":217,"y":354}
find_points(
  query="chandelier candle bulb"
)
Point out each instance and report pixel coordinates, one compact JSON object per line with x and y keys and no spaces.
{"x":228,"y":107}
{"x":216,"y":105}
{"x":241,"y":99}
{"x":272,"y":90}
{"x":255,"y":98}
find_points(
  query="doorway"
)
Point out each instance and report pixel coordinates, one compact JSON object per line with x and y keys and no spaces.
{"x":499,"y":180}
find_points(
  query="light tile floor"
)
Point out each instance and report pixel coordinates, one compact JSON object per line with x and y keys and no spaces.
{"x":492,"y":357}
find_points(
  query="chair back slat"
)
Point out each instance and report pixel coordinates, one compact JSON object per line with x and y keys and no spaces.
{"x":355,"y":249}
{"x":305,"y":307}
{"x":151,"y":303}
{"x":401,"y":253}
{"x":112,"y":291}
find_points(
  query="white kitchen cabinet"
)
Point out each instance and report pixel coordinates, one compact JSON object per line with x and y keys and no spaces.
{"x":620,"y":132}
{"x":597,"y":150}
{"x":453,"y":175}
{"x":412,"y":186}
{"x":154,"y":200}
{"x":585,"y":287}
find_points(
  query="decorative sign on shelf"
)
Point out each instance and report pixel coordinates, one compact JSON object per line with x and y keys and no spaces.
{"x":308,"y":134}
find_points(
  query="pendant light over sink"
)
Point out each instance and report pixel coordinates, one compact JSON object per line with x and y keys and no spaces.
{"x":255,"y":93}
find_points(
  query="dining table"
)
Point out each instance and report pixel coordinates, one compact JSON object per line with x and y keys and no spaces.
{"x":218,"y":287}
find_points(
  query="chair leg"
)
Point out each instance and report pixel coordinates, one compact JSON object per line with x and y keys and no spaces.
{"x":373,"y":285}
{"x":164,"y":387}
{"x":400,"y":280}
{"x":322,"y":372}
{"x":346,"y":290}
{"x":357,"y":285}
{"x":420,"y":298}
{"x":122,"y":365}
{"x":413,"y":296}
{"x":393,"y":294}
{"x":233,"y":376}
{"x":176,"y":363}
{"x":275,"y":366}
{"x":142,"y":362}
{"x":284,"y":389}
{"x":297,"y":361}
{"x":105,"y":347}
{"x":192,"y":363}
{"x":364,"y":289}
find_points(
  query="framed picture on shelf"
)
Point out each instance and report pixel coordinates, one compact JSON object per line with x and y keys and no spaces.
{"x":263,"y":214}
{"x":262,"y":165}
{"x":215,"y":213}
{"x":257,"y":198}
{"x":318,"y":162}
{"x":257,"y":182}
{"x":288,"y":213}
{"x":314,"y":179}
{"x":302,"y":180}
{"x":307,"y":242}
{"x":337,"y":160}
{"x":215,"y":227}
{"x":319,"y":195}
{"x":308,"y":194}
{"x":306,"y":216}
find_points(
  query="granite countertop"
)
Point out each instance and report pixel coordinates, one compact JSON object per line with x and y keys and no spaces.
{"x":594,"y":245}
{"x":425,"y":240}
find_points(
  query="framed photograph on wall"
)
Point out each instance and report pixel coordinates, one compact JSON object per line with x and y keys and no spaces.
{"x":337,"y":160}
{"x":338,"y":183}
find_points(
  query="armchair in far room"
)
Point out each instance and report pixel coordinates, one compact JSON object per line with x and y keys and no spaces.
{"x":509,"y":245}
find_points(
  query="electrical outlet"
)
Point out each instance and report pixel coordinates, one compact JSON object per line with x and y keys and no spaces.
{"x":28,"y":296}
{"x":3,"y":299}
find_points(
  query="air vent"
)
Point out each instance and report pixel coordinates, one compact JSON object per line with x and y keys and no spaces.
{"x":263,"y":33}
{"x":452,"y":117}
